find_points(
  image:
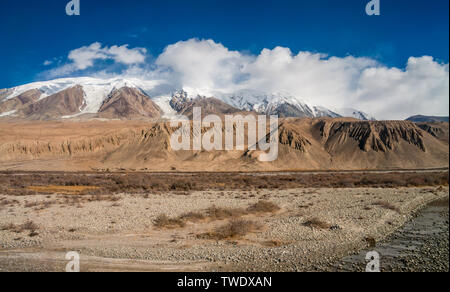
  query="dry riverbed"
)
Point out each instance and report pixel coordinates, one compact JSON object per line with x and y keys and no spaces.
{"x":306,"y":229}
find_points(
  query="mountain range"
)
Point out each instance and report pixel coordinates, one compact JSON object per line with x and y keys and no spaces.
{"x":118,"y":98}
{"x":80,"y":124}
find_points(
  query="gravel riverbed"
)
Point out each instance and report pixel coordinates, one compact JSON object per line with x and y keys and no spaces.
{"x":119,"y":235}
{"x":421,"y":245}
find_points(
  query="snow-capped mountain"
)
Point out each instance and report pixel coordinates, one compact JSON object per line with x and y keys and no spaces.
{"x":320,"y":111}
{"x":58,"y":99}
{"x":282,"y":104}
{"x":354,"y":113}
{"x":96,"y":90}
{"x":80,"y":97}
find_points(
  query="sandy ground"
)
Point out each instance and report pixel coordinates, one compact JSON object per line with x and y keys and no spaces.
{"x":120,"y":236}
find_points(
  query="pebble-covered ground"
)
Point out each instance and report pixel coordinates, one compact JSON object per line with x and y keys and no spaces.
{"x":119,"y":235}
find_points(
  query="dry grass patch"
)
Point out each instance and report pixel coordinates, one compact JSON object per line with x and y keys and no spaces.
{"x":5,"y":203}
{"x":272,"y":243}
{"x":68,"y":183}
{"x":79,"y":199}
{"x":163,"y":221}
{"x":371,"y":242}
{"x":234,"y":229}
{"x":263,"y":207}
{"x":216,"y":213}
{"x":27,"y":226}
{"x":31,"y":204}
{"x":317,"y":224}
{"x":192,"y":216}
{"x":68,"y":190}
{"x":8,"y":227}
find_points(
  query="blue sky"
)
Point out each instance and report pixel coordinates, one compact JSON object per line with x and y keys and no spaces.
{"x":35,"y":31}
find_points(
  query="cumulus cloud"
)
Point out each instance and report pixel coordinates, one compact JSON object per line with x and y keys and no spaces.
{"x":203,"y":64}
{"x":85,"y":57}
{"x":316,"y":78}
{"x":421,"y":87}
{"x":334,"y":82}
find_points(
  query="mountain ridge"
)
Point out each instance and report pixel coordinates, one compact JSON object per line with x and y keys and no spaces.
{"x":304,"y":144}
{"x":429,"y":119}
{"x":96,"y":91}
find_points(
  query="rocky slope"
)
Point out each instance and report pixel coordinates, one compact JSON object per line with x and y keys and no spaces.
{"x":185,"y":106}
{"x":128,"y":103}
{"x":20,"y":101}
{"x":438,"y":130}
{"x":64,"y":103}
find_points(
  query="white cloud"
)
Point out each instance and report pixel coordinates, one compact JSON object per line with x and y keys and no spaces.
{"x":316,"y":78}
{"x":47,"y":63}
{"x":127,"y":56}
{"x":85,"y":57}
{"x":203,"y":64}
{"x":362,"y":83}
{"x":422,"y":87}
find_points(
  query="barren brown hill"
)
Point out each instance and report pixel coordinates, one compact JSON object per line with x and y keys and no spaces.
{"x":129,"y":103}
{"x":305,"y":144}
{"x":20,"y":101}
{"x":385,"y":144}
{"x":437,"y":129}
{"x":64,"y":103}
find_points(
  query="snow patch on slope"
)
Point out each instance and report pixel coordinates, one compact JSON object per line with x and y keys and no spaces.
{"x":263,"y":102}
{"x":320,"y":111}
{"x":47,"y":88}
{"x":164,"y":104}
{"x":5,"y":114}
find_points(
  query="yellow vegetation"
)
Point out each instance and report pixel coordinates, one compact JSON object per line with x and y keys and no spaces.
{"x":68,"y":190}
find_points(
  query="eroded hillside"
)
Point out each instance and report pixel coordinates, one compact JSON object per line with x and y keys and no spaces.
{"x":304,"y":144}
